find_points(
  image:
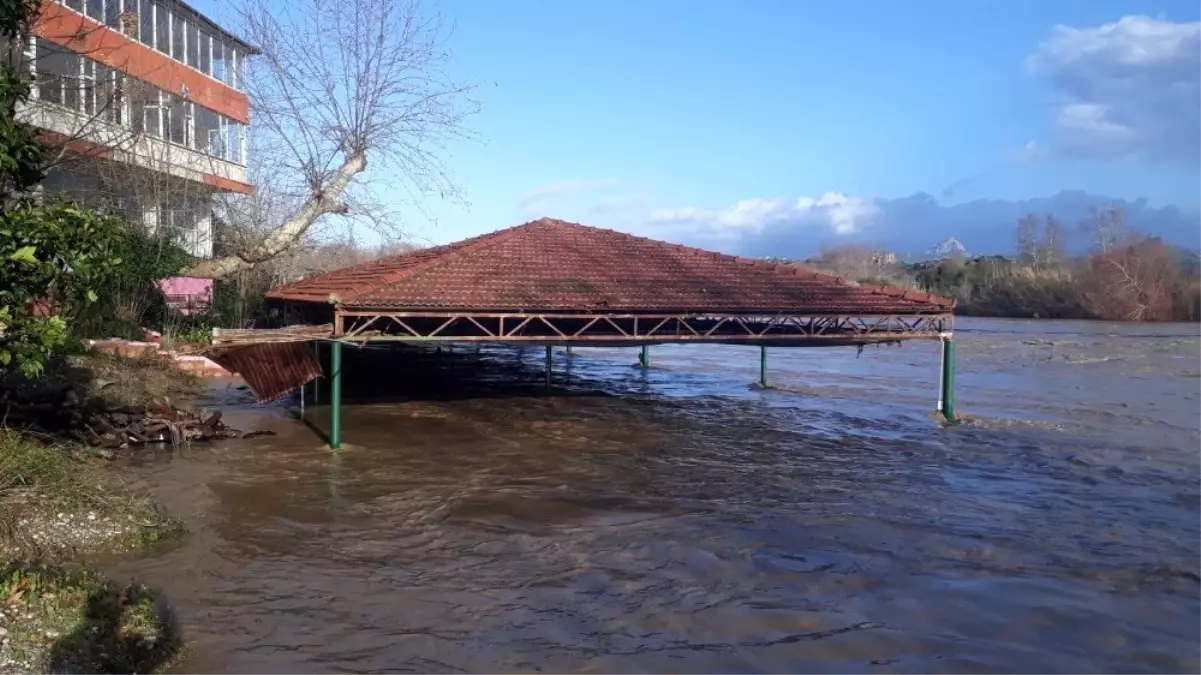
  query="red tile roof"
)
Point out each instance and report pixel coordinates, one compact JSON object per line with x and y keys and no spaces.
{"x":550,"y":265}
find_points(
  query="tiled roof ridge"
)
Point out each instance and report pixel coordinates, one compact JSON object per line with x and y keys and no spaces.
{"x":481,"y":242}
{"x":781,"y":268}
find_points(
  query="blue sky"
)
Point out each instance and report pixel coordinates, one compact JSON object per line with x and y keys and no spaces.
{"x":747,"y":126}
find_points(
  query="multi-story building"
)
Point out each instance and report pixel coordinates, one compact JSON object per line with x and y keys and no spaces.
{"x":145,"y":103}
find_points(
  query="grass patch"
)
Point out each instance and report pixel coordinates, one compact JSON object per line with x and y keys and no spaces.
{"x":76,"y":621}
{"x":57,"y":502}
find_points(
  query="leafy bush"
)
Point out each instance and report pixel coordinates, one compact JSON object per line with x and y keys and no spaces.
{"x":131,"y":300}
{"x":56,"y":260}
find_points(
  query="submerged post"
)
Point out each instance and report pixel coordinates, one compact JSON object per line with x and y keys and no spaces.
{"x":317,"y":380}
{"x":548,"y":367}
{"x":763,"y":366}
{"x":644,"y":358}
{"x":335,"y":396}
{"x":947,"y":382}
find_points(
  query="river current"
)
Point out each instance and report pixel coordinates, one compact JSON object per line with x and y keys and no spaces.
{"x":678,"y":519}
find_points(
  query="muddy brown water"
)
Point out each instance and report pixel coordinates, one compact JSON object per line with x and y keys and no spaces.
{"x":677,"y":520}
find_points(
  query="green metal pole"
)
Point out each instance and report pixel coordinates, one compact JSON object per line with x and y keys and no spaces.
{"x":317,"y":381}
{"x":645,"y":357}
{"x":948,"y":379}
{"x":335,"y":397}
{"x":763,"y":367}
{"x":548,"y":367}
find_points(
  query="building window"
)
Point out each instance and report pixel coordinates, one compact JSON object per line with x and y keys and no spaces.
{"x":189,"y":124}
{"x":208,"y":130}
{"x":111,"y":95}
{"x":96,"y":10}
{"x":218,"y":59}
{"x":177,"y":121}
{"x":87,"y":86}
{"x":233,"y":144}
{"x":145,"y":108}
{"x":146,"y":19}
{"x":76,"y":5}
{"x":185,"y":222}
{"x":162,"y":29}
{"x":55,"y":68}
{"x":193,"y":45}
{"x":154,"y":119}
{"x":206,"y":55}
{"x":112,"y":14}
{"x":178,"y":41}
{"x":71,"y":82}
{"x":217,"y":143}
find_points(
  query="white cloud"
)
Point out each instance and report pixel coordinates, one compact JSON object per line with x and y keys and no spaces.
{"x":832,"y":212}
{"x":688,"y":214}
{"x":1131,"y":88}
{"x":1030,"y":152}
{"x":544,"y":195}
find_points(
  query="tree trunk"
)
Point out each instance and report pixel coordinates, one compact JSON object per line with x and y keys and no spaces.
{"x":287,"y":235}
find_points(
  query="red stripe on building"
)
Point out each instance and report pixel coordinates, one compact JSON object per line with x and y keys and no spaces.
{"x":228,"y":185}
{"x":55,"y":140}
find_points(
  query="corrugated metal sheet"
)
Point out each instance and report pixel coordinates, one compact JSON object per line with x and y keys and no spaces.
{"x":551,"y":265}
{"x":273,"y":370}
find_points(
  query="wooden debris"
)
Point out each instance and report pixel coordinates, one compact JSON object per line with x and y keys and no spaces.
{"x":114,"y":428}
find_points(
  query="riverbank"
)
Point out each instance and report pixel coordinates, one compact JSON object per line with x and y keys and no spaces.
{"x":58,"y":509}
{"x":63,"y":505}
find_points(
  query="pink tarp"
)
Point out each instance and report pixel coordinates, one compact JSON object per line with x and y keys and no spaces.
{"x":189,"y":295}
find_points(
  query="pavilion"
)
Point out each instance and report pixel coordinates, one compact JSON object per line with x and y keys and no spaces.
{"x":550,"y":282}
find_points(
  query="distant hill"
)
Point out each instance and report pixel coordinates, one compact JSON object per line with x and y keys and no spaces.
{"x":949,"y":248}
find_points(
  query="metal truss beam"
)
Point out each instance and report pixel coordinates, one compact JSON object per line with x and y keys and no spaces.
{"x":367,"y":326}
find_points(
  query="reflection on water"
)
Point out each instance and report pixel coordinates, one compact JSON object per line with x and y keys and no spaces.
{"x":677,"y":520}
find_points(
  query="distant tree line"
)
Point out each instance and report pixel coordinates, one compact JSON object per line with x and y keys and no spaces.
{"x":1125,"y":275}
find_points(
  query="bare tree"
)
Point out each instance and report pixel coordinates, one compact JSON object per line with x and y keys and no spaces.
{"x":340,"y":83}
{"x":1051,"y":244}
{"x":1137,"y":281}
{"x":1027,"y":239}
{"x":1107,"y":227}
{"x":1040,"y":242}
{"x":861,"y":263}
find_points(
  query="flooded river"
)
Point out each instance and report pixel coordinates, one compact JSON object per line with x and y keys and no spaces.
{"x":679,"y":520}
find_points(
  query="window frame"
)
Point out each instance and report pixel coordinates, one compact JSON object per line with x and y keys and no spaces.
{"x":146,"y":20}
{"x":162,"y":43}
{"x":192,"y":48}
